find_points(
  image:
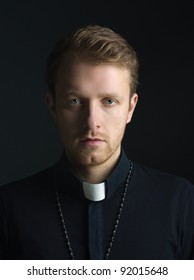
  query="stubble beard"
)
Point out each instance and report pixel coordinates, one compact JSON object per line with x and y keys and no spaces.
{"x":105,"y":156}
{"x":93,"y":156}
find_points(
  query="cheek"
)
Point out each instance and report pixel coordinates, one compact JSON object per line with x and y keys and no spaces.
{"x":120,"y":118}
{"x":66,"y":119}
{"x":65,"y":124}
{"x":117,"y":126}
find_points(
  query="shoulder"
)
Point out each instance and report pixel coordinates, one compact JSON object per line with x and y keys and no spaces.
{"x":156,"y":179}
{"x":34,"y":182}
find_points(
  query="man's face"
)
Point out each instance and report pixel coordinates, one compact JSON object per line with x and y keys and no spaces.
{"x":92,"y":107}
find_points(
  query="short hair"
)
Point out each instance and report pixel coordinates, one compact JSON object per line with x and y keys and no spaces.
{"x":97,"y":45}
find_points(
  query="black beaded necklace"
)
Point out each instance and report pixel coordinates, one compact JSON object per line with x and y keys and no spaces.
{"x":67,"y":240}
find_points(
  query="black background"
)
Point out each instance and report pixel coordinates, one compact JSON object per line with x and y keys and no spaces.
{"x":161,"y":133}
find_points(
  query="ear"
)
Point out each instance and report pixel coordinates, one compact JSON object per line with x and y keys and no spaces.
{"x":50,"y":102}
{"x":132,"y":105}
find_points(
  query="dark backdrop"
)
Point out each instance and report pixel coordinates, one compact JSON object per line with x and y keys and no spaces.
{"x":161,"y":133}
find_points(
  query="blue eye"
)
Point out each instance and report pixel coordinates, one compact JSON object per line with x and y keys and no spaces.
{"x":109,"y":101}
{"x":75,"y":101}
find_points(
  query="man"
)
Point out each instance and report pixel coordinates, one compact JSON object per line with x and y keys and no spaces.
{"x":94,"y":203}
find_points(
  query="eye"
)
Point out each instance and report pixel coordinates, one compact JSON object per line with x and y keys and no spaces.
{"x":75,"y":101}
{"x":109,"y":101}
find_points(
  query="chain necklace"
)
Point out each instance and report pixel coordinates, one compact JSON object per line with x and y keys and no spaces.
{"x":67,"y":240}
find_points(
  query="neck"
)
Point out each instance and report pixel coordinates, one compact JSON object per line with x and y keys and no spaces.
{"x":95,"y":174}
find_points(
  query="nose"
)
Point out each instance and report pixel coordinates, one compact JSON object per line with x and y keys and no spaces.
{"x":92,"y":117}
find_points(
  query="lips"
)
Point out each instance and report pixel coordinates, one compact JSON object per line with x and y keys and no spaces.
{"x":92,"y":141}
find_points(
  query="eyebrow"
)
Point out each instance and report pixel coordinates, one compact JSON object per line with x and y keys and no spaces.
{"x":80,"y":94}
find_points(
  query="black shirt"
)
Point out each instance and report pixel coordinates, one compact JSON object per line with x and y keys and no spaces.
{"x":157,"y":220}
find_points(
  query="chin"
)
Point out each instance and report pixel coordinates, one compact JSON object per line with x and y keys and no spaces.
{"x":92,"y":158}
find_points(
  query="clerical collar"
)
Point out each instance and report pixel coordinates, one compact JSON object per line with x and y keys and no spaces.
{"x":94,"y":192}
{"x":72,"y":185}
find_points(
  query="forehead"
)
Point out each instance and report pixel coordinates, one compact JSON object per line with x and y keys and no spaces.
{"x":83,"y":75}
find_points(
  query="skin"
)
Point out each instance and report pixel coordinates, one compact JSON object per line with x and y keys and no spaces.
{"x":91,"y":108}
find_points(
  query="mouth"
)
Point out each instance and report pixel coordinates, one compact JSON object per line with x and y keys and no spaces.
{"x":92,"y":141}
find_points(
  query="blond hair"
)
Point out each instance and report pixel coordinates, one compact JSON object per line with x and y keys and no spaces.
{"x":97,"y":45}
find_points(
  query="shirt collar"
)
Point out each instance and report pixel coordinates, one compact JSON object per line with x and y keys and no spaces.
{"x":119,"y":174}
{"x":73,"y":185}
